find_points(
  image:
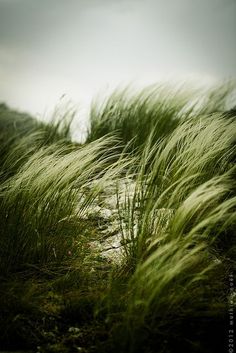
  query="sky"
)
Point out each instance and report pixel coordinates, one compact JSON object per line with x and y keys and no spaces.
{"x":77,"y":48}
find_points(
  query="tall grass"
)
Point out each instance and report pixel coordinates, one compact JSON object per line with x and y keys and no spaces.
{"x":176,"y":149}
{"x":155,"y":111}
{"x":182,"y":208}
{"x":39,"y":200}
{"x":21,"y":136}
{"x":197,"y":151}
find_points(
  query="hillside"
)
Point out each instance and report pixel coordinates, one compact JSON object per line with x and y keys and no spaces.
{"x":125,"y":243}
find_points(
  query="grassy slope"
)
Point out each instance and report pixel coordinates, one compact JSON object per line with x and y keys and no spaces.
{"x":170,"y":290}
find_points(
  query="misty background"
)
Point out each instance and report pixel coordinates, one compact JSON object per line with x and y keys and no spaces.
{"x":50,"y":48}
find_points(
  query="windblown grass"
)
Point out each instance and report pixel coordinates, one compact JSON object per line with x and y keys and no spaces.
{"x":195,"y":153}
{"x":169,"y":291}
{"x":155,"y":111}
{"x":172,"y":225}
{"x":177,"y":270}
{"x":39,"y":201}
{"x":21,"y":136}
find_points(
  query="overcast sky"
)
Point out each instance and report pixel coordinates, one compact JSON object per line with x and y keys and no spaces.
{"x":76,"y":47}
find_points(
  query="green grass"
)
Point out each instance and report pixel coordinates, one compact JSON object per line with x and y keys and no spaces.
{"x":42,"y":200}
{"x":21,"y":136}
{"x":154,"y":111}
{"x":170,"y":153}
{"x":195,"y":154}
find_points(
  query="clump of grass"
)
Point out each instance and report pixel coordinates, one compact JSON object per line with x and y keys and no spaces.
{"x":156,"y":110}
{"x":21,"y":136}
{"x":197,"y":151}
{"x":183,"y":204}
{"x":41,"y":199}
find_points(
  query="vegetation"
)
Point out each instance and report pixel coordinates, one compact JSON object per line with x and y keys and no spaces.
{"x":156,"y":175}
